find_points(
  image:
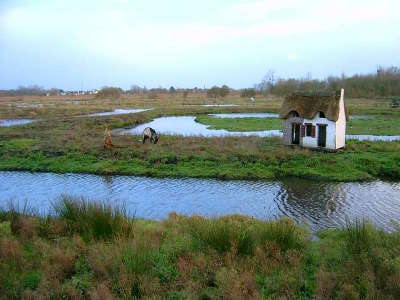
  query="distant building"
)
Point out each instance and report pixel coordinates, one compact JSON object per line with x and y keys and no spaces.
{"x":315,"y":120}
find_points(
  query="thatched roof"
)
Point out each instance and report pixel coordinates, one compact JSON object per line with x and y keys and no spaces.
{"x":307,"y":105}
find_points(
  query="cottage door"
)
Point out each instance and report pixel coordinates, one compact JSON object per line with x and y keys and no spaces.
{"x":322,"y":136}
{"x":295,"y":133}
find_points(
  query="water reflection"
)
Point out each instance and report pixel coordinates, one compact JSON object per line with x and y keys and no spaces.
{"x":319,"y":204}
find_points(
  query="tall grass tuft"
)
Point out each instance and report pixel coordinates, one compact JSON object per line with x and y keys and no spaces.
{"x":215,"y":234}
{"x":96,"y":220}
{"x":284,"y":232}
{"x":359,"y":236}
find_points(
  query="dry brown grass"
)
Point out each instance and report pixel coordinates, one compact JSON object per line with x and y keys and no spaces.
{"x":101,"y":292}
{"x":182,"y":257}
{"x":11,"y":250}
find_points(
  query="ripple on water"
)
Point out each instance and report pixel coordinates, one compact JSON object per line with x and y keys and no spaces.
{"x":320,"y":204}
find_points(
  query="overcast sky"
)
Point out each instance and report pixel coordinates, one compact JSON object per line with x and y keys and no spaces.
{"x":75,"y":44}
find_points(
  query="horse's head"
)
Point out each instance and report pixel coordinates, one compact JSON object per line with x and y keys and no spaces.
{"x":156,"y":138}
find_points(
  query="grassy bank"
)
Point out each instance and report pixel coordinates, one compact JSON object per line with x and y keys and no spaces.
{"x":228,"y":158}
{"x":61,"y":142}
{"x":88,"y":250}
{"x":376,"y":125}
{"x":240,"y":124}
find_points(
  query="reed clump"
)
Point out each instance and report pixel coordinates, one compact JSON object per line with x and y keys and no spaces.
{"x":92,"y":220}
{"x":89,"y":250}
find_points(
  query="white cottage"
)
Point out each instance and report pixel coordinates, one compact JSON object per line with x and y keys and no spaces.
{"x":315,"y":120}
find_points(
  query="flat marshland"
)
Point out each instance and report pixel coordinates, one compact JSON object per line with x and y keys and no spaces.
{"x":83,"y":249}
{"x":88,"y":250}
{"x":64,"y":140}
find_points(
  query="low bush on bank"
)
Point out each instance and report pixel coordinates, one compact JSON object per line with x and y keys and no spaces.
{"x":88,"y":250}
{"x":96,"y":220}
{"x":359,"y":262}
{"x":109,"y":92}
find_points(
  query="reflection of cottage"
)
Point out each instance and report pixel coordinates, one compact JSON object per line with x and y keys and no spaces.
{"x":315,"y":120}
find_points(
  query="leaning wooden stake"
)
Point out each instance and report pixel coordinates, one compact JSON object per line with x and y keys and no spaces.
{"x":107,"y":138}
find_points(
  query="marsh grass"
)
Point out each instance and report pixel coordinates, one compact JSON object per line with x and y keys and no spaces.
{"x":83,"y":251}
{"x":61,"y":142}
{"x":361,"y":261}
{"x":96,"y":220}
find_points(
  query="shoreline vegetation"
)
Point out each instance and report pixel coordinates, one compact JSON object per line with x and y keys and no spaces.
{"x":62,"y":143}
{"x":229,"y":158}
{"x":85,"y":249}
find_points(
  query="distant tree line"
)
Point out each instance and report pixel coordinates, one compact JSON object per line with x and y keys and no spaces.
{"x":138,"y":90}
{"x":109,"y":92}
{"x":385,"y":82}
{"x":248,"y":93}
{"x":216,"y":91}
{"x":32,"y":90}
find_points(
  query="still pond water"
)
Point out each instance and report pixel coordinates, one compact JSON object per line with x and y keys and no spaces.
{"x":319,"y":204}
{"x":119,"y":111}
{"x":187,"y":126}
{"x":14,"y":122}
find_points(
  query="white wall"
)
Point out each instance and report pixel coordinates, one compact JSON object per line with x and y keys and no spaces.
{"x":312,"y":142}
{"x":341,"y":124}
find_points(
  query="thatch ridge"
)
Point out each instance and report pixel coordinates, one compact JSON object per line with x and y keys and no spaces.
{"x":307,"y":105}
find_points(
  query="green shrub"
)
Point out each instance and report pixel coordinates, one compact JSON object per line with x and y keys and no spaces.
{"x":246,"y":242}
{"x":215,"y":234}
{"x":92,"y":219}
{"x":248,"y":93}
{"x":138,"y":261}
{"x":32,"y":280}
{"x":284,"y":232}
{"x":5,"y":229}
{"x":109,"y":92}
{"x":359,"y":236}
{"x":165,"y":269}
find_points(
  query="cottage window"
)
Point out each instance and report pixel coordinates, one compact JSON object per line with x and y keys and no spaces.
{"x":321,"y":114}
{"x":308,"y":129}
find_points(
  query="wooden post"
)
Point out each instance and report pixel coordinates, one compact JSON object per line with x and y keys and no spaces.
{"x":107,"y":138}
